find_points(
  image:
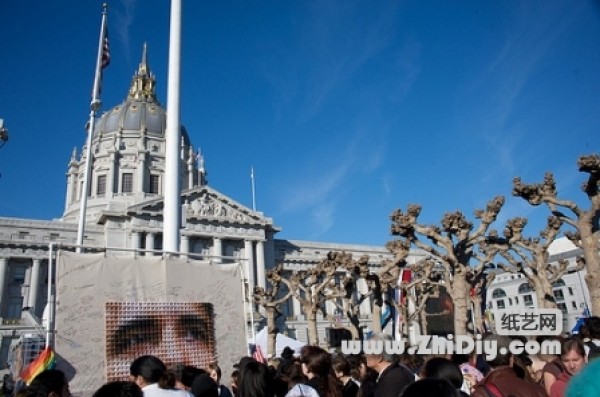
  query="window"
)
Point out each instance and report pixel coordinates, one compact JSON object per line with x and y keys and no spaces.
{"x":525,"y":288}
{"x":570,"y":291}
{"x":509,"y":301}
{"x":500,"y":303}
{"x":559,"y":295}
{"x":516,"y":300}
{"x":127,"y":183}
{"x":498,"y":293}
{"x":101,"y":186}
{"x":562,"y":307}
{"x":154,"y":186}
{"x":558,"y":283}
{"x":528,"y":300}
{"x":574,"y":305}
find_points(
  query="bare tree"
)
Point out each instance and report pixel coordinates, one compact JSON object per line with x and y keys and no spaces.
{"x":586,"y":234}
{"x":270,"y":299}
{"x":313,"y":288}
{"x":455,"y":246}
{"x":530,"y":257}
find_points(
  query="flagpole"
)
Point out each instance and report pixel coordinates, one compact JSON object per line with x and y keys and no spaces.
{"x":51,"y":299}
{"x":172,"y":209}
{"x":94,"y":106}
{"x":253,"y":189}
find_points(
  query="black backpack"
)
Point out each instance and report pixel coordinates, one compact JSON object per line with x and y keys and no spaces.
{"x":594,"y":351}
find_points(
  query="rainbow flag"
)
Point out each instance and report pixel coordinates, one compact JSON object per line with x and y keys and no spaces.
{"x":44,"y":361}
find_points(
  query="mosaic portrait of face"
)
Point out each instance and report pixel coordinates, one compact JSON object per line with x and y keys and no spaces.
{"x":177,"y":333}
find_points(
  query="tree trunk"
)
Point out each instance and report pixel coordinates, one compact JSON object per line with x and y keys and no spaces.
{"x":544,"y":293}
{"x":589,"y":246}
{"x":272,"y":333}
{"x":313,"y":335}
{"x":376,"y":319}
{"x":460,"y":299}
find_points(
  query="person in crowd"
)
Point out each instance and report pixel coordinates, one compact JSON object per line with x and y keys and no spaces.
{"x":204,"y":386}
{"x":502,"y":379}
{"x":467,"y":363}
{"x":234,"y":381}
{"x":393,"y":376}
{"x":573,"y":358}
{"x":535,"y":370}
{"x":119,"y":389}
{"x":553,"y":367}
{"x":50,"y":383}
{"x":591,"y":334}
{"x":255,"y":380}
{"x":445,"y":369}
{"x":151,"y":375}
{"x":430,"y":387}
{"x":297,"y":383}
{"x":316,"y":365}
{"x":184,"y":375}
{"x":341,"y":368}
{"x":215,"y":373}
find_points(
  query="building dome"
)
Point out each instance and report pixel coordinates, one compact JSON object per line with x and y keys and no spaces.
{"x":128,"y":154}
{"x":141,"y":112}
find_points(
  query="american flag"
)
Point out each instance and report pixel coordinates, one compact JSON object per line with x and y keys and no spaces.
{"x":105,"y":50}
{"x":258,"y":355}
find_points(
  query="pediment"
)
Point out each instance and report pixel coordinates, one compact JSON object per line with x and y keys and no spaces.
{"x":204,"y":204}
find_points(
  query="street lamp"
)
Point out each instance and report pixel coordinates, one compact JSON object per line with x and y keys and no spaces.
{"x":3,"y":134}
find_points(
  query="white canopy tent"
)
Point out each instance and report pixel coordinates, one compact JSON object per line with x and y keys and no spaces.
{"x":282,"y":341}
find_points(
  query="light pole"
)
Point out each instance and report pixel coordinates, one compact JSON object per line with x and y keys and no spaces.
{"x":3,"y":133}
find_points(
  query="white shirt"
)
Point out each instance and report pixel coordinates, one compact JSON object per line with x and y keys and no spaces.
{"x":154,"y":391}
{"x":301,"y":390}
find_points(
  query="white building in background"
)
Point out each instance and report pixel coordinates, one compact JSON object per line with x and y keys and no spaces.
{"x":511,"y":291}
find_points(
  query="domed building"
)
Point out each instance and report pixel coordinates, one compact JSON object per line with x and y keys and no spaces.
{"x":124,"y":214}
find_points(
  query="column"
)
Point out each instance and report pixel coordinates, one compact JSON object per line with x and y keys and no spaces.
{"x":135,"y":241}
{"x":110,"y":176}
{"x":296,"y":307}
{"x":249,"y":265}
{"x":149,"y":243}
{"x":217,"y":249}
{"x":184,"y":245}
{"x":260,"y":263}
{"x":34,"y":285}
{"x":141,"y":168}
{"x":3,"y":271}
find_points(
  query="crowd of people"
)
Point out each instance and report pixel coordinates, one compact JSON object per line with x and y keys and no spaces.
{"x":315,"y":372}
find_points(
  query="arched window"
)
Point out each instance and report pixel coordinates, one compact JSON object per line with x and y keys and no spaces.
{"x":525,"y":288}
{"x":558,"y":283}
{"x":498,"y":293}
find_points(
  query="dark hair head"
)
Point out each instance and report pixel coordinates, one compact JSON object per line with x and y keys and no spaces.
{"x":430,"y":387}
{"x":185,"y":373}
{"x":214,"y":367}
{"x":317,"y":360}
{"x":341,"y":364}
{"x":204,"y":386}
{"x":49,"y":381}
{"x":443,"y":368}
{"x":255,"y":380}
{"x":592,"y":324}
{"x":152,"y":370}
{"x":119,"y":389}
{"x":318,"y":363}
{"x":572,"y":344}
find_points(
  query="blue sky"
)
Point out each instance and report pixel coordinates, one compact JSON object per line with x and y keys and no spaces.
{"x":346,"y":109}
